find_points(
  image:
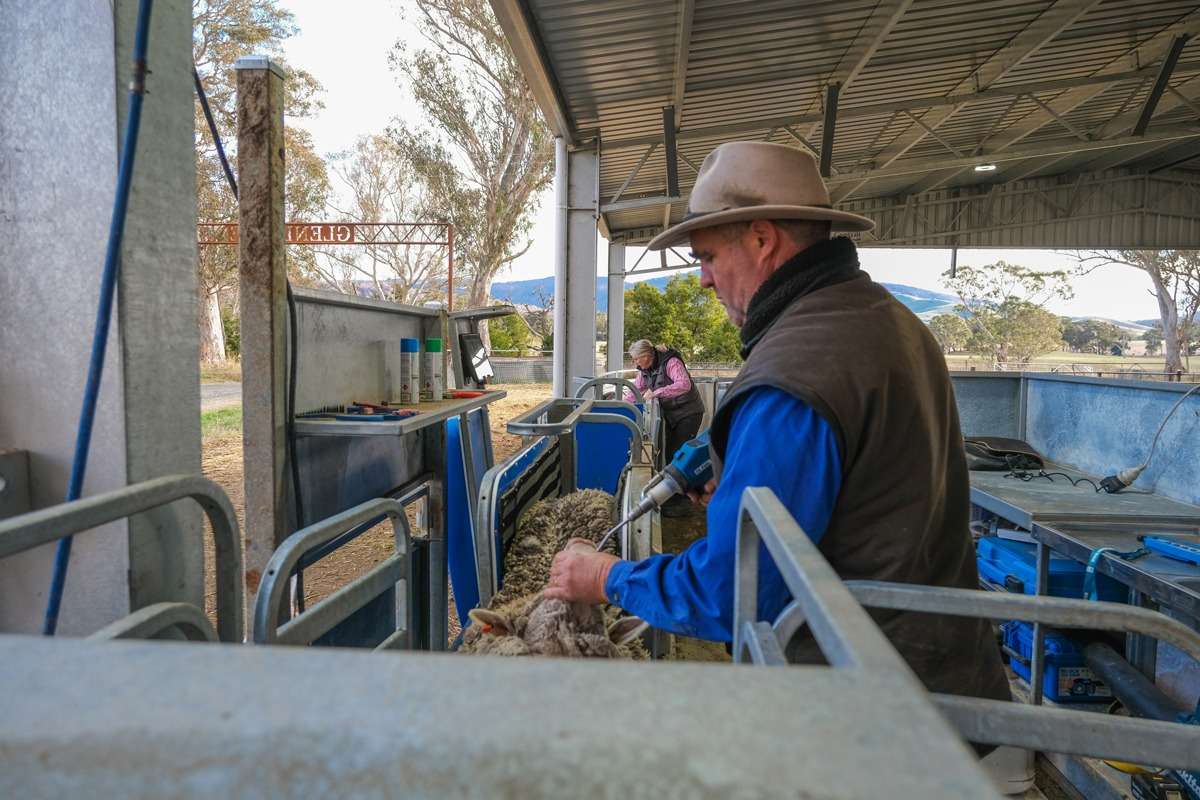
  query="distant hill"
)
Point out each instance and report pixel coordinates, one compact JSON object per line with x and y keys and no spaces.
{"x":1137,"y":327}
{"x":923,"y":302}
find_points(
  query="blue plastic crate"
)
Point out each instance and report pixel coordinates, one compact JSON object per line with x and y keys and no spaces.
{"x":1013,"y":566}
{"x":1067,"y":679}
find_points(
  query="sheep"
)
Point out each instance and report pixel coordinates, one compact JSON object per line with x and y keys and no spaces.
{"x":544,"y":530}
{"x":535,"y":626}
{"x":519,"y":621}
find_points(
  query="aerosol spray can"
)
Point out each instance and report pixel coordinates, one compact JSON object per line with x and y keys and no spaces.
{"x":410,"y":371}
{"x":432,"y":382}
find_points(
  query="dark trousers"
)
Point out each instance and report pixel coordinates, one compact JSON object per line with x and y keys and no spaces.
{"x":680,"y":432}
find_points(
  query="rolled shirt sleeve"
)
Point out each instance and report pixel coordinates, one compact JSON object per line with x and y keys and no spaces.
{"x":776,"y":441}
{"x":640,"y":383}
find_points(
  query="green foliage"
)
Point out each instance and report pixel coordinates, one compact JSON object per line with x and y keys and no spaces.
{"x":951,"y":331}
{"x":1093,"y":336}
{"x":488,"y":153}
{"x":1154,"y":339}
{"x":685,"y":316}
{"x":1015,"y":331}
{"x":1003,"y":306}
{"x":232,"y":325}
{"x":510,"y":336}
{"x":221,"y":422}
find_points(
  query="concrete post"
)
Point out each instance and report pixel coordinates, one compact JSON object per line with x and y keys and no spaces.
{"x":62,"y":108}
{"x":263,"y":274}
{"x":576,"y":195}
{"x":616,"y":307}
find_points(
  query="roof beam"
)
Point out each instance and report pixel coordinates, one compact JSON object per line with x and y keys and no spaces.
{"x":636,"y":169}
{"x":669,"y":151}
{"x":1036,"y":150}
{"x":1052,"y":22}
{"x":521,"y":32}
{"x":1184,"y":94}
{"x":683,"y":44}
{"x":880,"y":109}
{"x":872,"y":34}
{"x":1148,"y":52}
{"x":1160,"y":83}
{"x":634,"y":203}
{"x":830,"y":125}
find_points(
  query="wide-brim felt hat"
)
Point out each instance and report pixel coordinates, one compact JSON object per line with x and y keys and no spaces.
{"x":744,"y":181}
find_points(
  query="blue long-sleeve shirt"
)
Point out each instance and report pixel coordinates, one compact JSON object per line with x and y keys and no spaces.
{"x":775,"y":441}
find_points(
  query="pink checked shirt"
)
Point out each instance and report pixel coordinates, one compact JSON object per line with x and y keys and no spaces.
{"x":680,"y":382}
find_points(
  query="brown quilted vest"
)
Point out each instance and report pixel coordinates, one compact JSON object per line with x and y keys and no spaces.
{"x":873,"y":371}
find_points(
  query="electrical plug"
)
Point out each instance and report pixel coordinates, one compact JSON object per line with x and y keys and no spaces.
{"x":1115,"y":483}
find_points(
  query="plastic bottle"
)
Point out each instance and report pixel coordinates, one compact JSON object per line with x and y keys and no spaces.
{"x":431,"y":371}
{"x":410,"y":371}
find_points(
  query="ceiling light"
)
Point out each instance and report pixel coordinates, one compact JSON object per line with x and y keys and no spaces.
{"x":985,"y":167}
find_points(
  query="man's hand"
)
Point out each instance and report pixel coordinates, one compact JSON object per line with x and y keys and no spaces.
{"x":647,"y":395}
{"x":701,"y":498}
{"x":579,"y":572}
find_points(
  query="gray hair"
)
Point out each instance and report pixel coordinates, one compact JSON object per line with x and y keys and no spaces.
{"x":642,"y":347}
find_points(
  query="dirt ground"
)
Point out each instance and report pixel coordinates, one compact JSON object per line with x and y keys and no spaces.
{"x":222,"y":462}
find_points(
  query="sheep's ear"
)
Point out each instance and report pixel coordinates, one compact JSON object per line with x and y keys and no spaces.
{"x":491,"y":621}
{"x":626,"y":629}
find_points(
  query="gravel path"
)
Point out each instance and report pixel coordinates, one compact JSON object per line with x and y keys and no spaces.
{"x":219,"y":395}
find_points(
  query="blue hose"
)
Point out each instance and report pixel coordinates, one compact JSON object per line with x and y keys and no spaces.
{"x":108,"y":282}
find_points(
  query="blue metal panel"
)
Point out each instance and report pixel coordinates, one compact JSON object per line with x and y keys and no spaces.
{"x":988,"y":405}
{"x":1104,"y":426}
{"x":460,"y":540}
{"x":602,"y":451}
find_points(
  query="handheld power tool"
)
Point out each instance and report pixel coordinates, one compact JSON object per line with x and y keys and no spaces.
{"x":690,"y":468}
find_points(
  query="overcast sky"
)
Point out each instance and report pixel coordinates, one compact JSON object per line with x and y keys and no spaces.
{"x":346,"y":46}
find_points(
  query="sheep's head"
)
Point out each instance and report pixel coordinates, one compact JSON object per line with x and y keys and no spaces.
{"x":542,"y":627}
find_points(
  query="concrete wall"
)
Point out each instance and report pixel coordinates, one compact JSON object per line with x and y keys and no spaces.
{"x":1100,"y":426}
{"x":62,"y":100}
{"x":1104,"y":426}
{"x":988,"y":406}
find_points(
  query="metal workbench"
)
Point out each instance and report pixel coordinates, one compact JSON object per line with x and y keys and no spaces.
{"x":1075,"y":521}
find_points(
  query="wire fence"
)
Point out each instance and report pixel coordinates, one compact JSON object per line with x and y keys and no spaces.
{"x":539,"y":369}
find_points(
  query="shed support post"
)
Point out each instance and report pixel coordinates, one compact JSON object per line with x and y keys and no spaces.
{"x":576,"y":188}
{"x":263,"y":275}
{"x":616,"y":307}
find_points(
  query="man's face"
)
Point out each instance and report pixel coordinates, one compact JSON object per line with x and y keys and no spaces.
{"x":728,"y":266}
{"x":644,"y":361}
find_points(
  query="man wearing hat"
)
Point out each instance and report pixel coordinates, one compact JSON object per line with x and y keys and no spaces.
{"x":843,"y":408}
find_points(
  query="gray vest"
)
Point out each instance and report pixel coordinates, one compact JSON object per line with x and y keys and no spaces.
{"x":876,"y":375}
{"x":674,"y":408}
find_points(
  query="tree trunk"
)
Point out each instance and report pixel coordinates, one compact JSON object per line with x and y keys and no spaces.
{"x":212,"y":332}
{"x":1168,"y":315}
{"x":477,"y":298}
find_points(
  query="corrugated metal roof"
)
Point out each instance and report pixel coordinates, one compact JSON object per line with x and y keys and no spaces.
{"x":1056,"y":76}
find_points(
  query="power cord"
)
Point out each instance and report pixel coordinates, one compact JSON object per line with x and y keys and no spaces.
{"x":1027,"y":476}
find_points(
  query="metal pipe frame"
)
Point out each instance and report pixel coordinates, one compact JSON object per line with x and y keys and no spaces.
{"x":848,"y":638}
{"x":834,"y":613}
{"x":154,"y":620}
{"x":320,"y":618}
{"x":1057,"y":612}
{"x":536,"y":422}
{"x":51,"y":524}
{"x":596,"y":383}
